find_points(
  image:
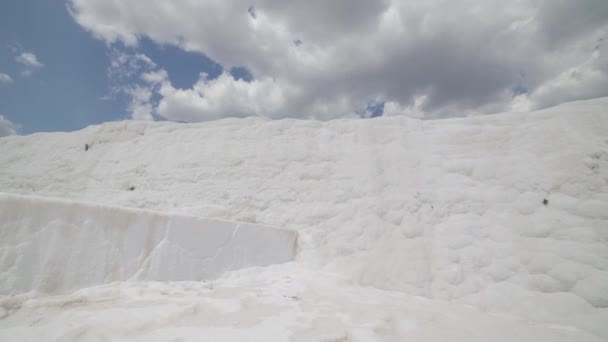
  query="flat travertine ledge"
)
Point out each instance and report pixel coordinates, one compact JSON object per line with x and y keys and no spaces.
{"x":53,"y":245}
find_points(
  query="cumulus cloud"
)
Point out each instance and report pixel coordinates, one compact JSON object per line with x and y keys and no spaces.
{"x":7,"y":127}
{"x":5,"y":78}
{"x":320,"y":59}
{"x":29,"y":61}
{"x":217,"y":98}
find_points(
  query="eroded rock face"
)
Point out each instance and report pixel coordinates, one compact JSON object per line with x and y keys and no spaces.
{"x":54,"y":246}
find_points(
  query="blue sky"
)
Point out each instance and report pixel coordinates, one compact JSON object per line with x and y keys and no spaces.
{"x":71,"y":90}
{"x":64,"y":94}
{"x":203,"y":60}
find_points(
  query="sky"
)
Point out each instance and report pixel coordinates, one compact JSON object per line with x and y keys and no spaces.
{"x":68,"y":64}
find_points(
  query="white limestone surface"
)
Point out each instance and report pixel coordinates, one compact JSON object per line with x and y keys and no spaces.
{"x":53,"y":246}
{"x":506,"y":214}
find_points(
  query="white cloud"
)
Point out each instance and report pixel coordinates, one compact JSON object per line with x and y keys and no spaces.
{"x":29,"y":61}
{"x":5,"y":78}
{"x":7,"y":127}
{"x":140,"y":106}
{"x":124,"y":68}
{"x":584,"y":81}
{"x":414,"y":110}
{"x":220,"y":97}
{"x":462,"y":57}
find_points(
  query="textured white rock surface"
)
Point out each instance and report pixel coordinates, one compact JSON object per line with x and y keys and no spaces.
{"x":53,"y":246}
{"x":450,"y":210}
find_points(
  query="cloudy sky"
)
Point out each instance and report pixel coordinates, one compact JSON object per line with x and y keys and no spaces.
{"x":68,"y":64}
